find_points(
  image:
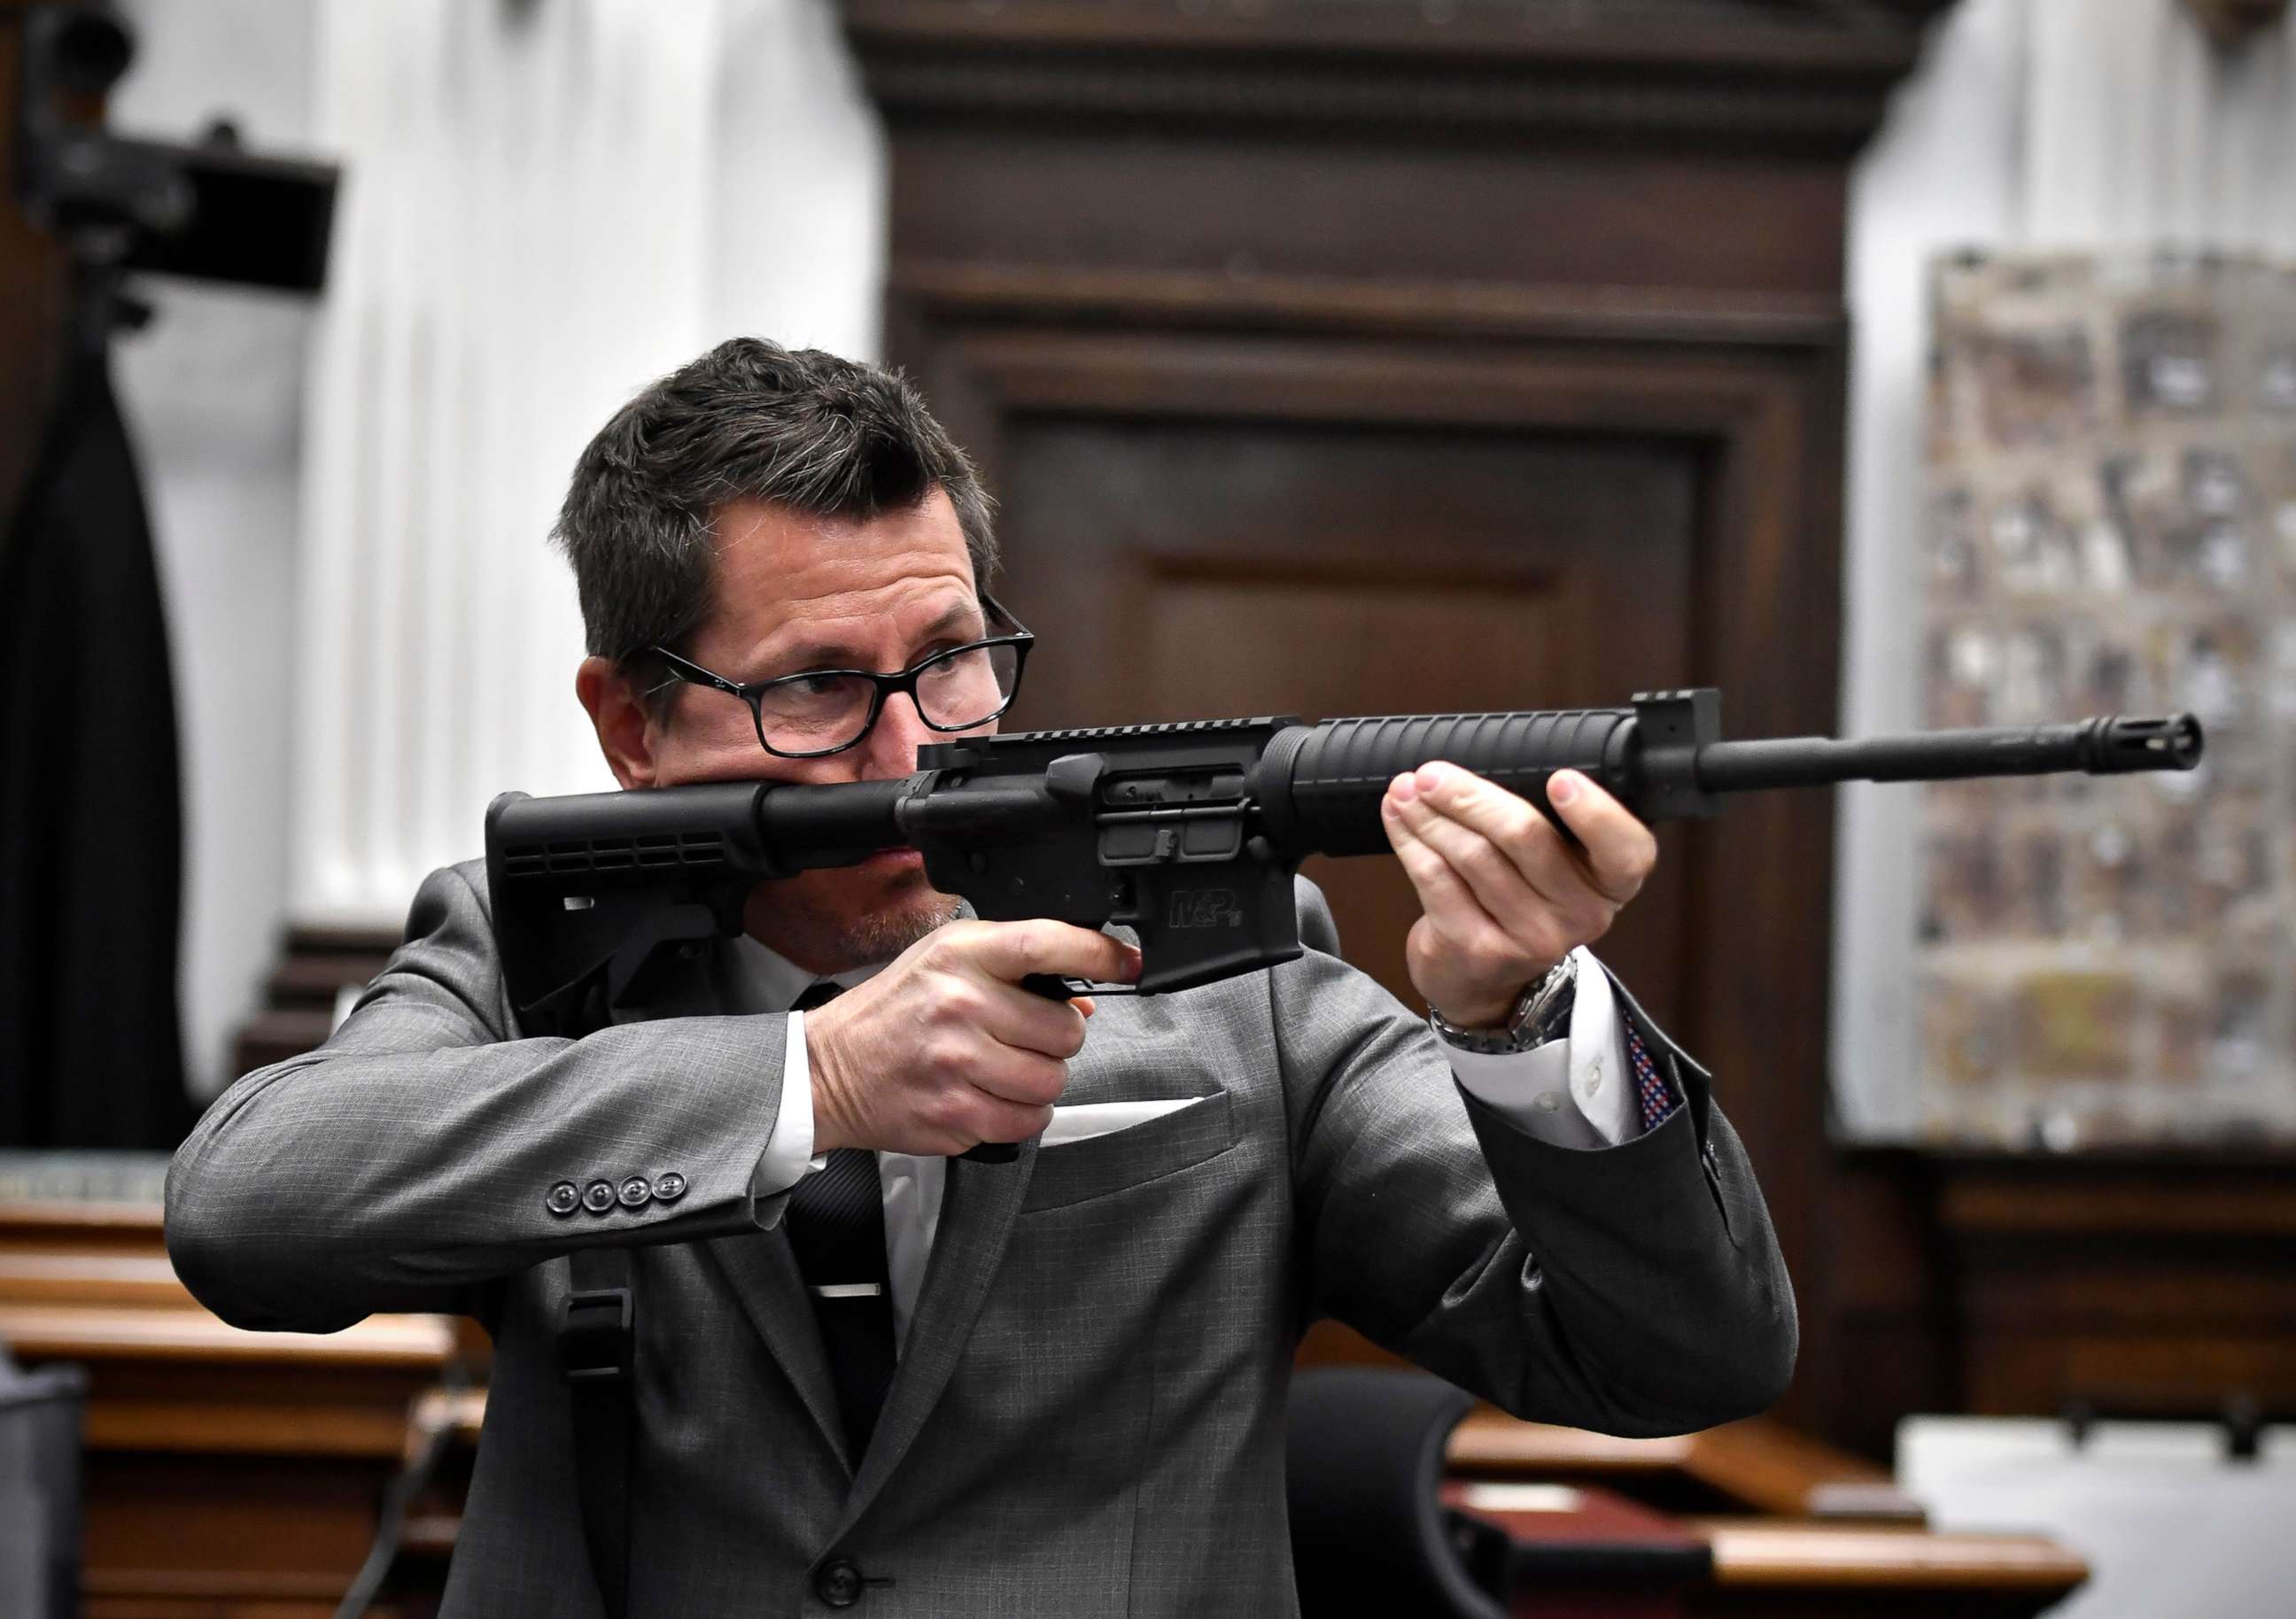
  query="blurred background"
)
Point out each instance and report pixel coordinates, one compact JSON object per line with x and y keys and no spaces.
{"x":1884,"y":363}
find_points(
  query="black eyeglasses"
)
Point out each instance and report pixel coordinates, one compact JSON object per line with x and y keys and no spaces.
{"x":824,"y":711}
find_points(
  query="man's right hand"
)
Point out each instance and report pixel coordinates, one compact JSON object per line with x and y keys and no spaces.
{"x":944,"y":1050}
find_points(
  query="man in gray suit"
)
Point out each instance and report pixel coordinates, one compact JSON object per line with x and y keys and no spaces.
{"x":868,"y":1373}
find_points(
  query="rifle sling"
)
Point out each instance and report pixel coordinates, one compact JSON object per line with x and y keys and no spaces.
{"x":597,"y":1341}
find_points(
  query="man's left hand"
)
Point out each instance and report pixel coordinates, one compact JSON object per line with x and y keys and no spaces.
{"x":1504,"y":896}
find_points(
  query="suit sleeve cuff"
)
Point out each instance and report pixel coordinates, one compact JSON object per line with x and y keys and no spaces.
{"x":1576,"y":1091}
{"x":789,"y":1155}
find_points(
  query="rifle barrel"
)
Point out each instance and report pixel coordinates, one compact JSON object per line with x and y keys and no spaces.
{"x":2111,"y":745}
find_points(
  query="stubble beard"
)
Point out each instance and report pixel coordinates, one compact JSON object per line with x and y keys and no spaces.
{"x":797,"y":919}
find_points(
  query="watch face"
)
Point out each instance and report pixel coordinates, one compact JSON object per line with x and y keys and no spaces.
{"x":1551,"y":1000}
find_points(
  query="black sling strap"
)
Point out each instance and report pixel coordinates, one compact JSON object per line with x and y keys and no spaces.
{"x":598,"y":1344}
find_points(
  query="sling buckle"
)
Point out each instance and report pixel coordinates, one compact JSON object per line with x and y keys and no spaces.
{"x":595,"y":1334}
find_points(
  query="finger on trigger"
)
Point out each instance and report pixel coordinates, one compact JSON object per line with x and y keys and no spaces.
{"x":1022,"y":1078}
{"x":1000,"y":1120}
{"x":1028,"y":1022}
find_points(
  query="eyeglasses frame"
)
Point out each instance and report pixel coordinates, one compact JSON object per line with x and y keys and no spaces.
{"x":1019,"y":638}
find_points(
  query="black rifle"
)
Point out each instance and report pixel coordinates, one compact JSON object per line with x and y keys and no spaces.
{"x":1187,"y":833}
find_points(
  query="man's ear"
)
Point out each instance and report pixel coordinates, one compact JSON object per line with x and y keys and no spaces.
{"x":619,"y":714}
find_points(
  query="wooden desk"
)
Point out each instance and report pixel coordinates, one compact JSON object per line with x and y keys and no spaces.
{"x":1783,"y":1567}
{"x":1793,"y":1527}
{"x":230,"y":1474}
{"x":1755,"y":1466}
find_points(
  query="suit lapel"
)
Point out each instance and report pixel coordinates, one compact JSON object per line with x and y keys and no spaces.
{"x":978,"y":1207}
{"x":763,"y":1274}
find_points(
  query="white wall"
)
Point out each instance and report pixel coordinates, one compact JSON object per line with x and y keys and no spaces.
{"x":550,"y":206}
{"x":213,"y":393}
{"x":799,"y":254}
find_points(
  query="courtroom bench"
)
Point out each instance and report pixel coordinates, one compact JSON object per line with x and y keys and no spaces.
{"x":229,"y":1474}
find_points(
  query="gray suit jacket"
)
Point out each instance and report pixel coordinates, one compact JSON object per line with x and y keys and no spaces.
{"x":1088,"y":1416}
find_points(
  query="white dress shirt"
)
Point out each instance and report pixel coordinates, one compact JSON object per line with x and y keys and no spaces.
{"x":1577,"y":1092}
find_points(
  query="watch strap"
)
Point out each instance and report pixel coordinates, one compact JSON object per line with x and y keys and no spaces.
{"x":1540,"y":1014}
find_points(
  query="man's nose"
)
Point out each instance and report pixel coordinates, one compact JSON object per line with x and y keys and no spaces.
{"x":892,"y":746}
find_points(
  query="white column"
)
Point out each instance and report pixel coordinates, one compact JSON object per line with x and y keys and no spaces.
{"x":524,"y":239}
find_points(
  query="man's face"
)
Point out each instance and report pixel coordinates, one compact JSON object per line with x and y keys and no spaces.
{"x":793,"y":594}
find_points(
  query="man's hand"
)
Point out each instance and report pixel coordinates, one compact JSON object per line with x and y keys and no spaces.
{"x":944,"y":1050}
{"x":1504,"y":896}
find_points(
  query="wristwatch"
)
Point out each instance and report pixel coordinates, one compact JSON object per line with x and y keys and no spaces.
{"x":1539,"y":1015}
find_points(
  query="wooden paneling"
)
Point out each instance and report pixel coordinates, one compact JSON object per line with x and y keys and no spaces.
{"x":2165,"y":1284}
{"x":1348,"y":567}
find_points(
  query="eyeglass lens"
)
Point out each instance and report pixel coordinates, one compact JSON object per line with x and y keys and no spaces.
{"x":964,"y":687}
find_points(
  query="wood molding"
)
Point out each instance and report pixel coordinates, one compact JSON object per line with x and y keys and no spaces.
{"x":1640,"y":72}
{"x":972,"y":294}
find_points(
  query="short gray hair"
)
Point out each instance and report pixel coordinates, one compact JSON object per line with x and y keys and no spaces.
{"x":749,"y":421}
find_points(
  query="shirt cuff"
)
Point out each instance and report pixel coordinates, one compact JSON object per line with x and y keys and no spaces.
{"x":788,"y":1155}
{"x":1576,"y":1091}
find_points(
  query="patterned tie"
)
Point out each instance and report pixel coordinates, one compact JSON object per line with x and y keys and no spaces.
{"x":836,"y":1222}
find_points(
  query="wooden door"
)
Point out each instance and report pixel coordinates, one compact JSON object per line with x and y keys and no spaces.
{"x":1192,"y":567}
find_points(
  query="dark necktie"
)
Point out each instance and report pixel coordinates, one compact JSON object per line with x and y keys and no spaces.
{"x":836,"y":1221}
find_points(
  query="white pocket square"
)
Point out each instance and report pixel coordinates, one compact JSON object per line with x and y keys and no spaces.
{"x":1082,"y":1121}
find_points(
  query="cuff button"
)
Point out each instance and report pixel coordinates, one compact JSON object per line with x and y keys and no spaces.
{"x":637,"y":1192}
{"x":668,"y":1187}
{"x":598,"y":1197}
{"x":562,"y":1198}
